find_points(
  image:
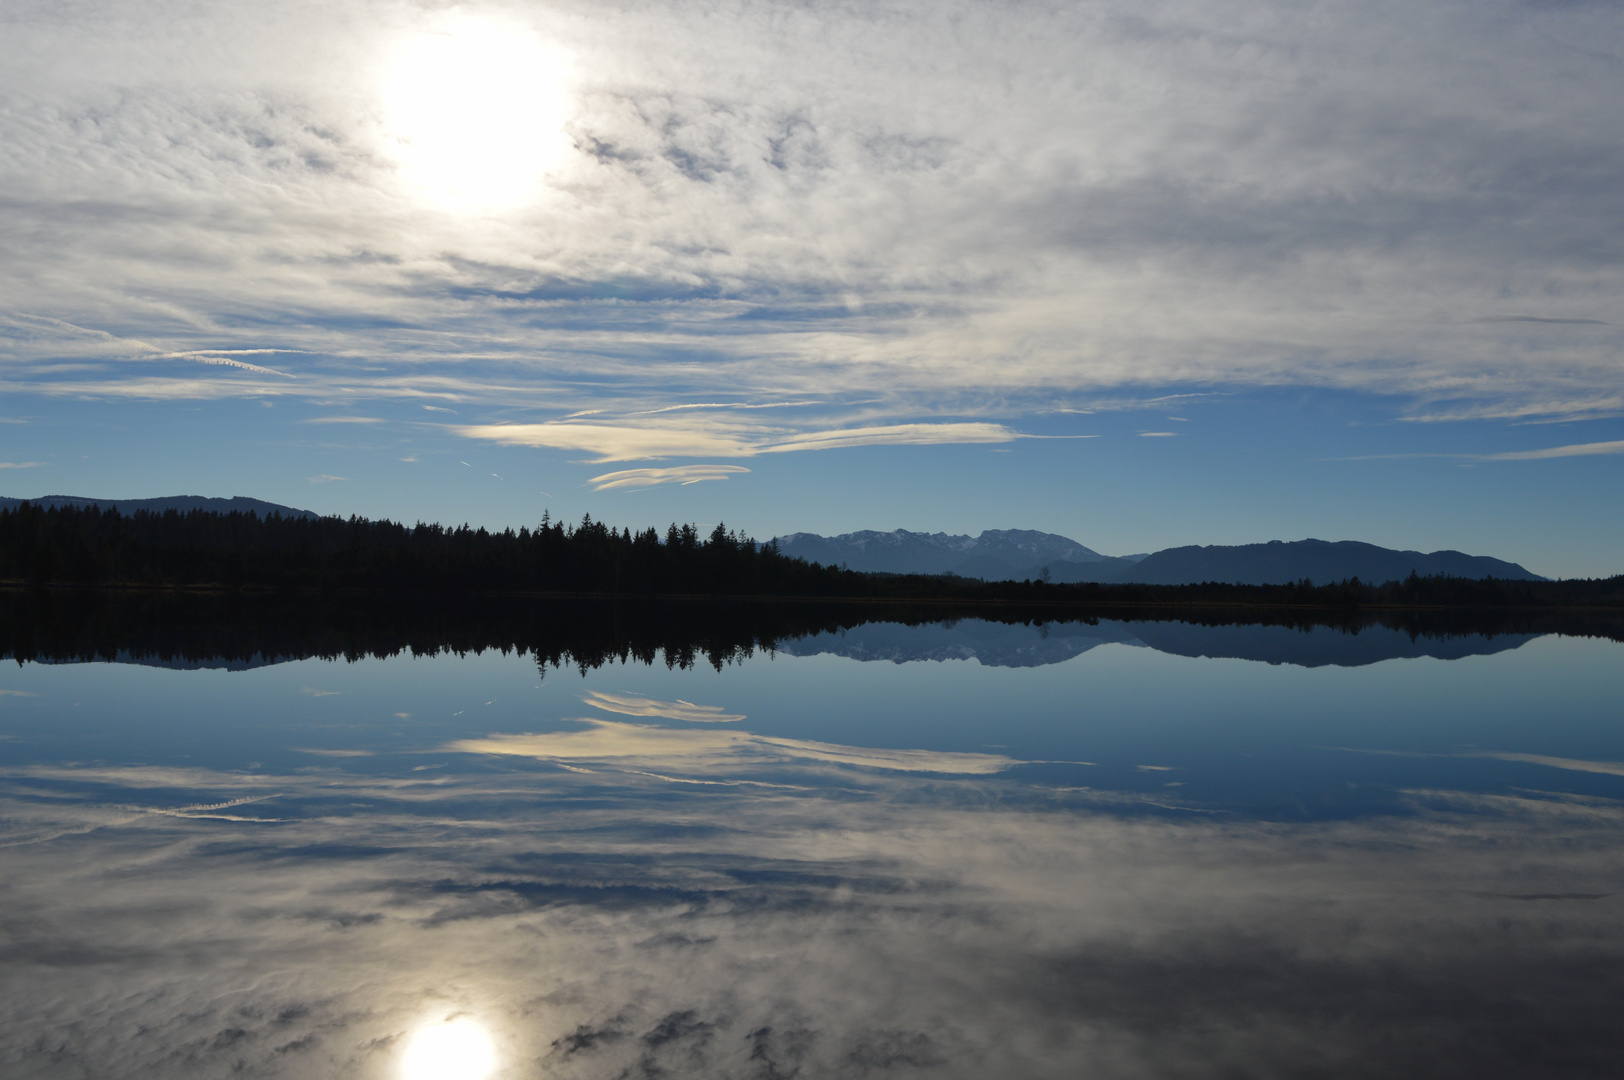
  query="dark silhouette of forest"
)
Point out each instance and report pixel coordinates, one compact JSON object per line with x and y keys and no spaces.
{"x":253,"y":628}
{"x":91,"y":547}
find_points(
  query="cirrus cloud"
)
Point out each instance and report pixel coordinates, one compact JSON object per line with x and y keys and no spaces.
{"x":1572,"y":450}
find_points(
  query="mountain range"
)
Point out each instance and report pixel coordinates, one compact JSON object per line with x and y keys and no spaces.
{"x":1014,"y":554}
{"x":995,"y":555}
{"x":181,"y":503}
{"x":1021,"y":554}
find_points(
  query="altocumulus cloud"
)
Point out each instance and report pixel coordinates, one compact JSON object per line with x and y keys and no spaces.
{"x":907,"y":203}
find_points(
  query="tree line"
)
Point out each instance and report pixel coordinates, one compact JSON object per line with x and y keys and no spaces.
{"x":254,"y":628}
{"x":87,"y":546}
{"x":90,"y":546}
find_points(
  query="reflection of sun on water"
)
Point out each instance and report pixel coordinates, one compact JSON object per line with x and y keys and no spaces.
{"x":455,"y":1049}
{"x":478,"y":111}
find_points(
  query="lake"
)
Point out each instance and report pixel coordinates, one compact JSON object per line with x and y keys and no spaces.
{"x":919,"y":848}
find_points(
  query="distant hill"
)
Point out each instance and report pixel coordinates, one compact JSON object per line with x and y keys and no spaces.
{"x":995,"y":555}
{"x":1321,"y":561}
{"x":181,"y":503}
{"x":1022,"y":554}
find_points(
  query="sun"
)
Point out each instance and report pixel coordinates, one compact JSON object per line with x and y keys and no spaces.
{"x":455,"y":1049}
{"x":475,"y":111}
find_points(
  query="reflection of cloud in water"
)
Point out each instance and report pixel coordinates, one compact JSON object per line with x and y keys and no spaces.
{"x":898,"y":926}
{"x":1607,"y":768}
{"x":691,"y":750}
{"x":637,"y":705}
{"x":1612,"y":768}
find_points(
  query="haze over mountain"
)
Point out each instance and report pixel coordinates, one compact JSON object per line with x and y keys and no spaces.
{"x":182,"y":503}
{"x":1019,"y":554}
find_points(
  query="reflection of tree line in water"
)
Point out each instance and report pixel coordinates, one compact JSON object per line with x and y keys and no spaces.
{"x":60,"y":625}
{"x":89,"y":546}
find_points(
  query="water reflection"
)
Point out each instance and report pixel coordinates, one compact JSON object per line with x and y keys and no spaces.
{"x":1022,"y":645}
{"x":806,"y":865}
{"x":613,"y":925}
{"x":636,"y":705}
{"x":244,"y":632}
{"x":454,"y":1048}
{"x":714,"y":752}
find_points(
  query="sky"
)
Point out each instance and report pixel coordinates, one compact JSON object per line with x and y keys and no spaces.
{"x":1142,"y":274}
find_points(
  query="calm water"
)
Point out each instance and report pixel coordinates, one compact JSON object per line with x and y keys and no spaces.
{"x":1111,"y":850}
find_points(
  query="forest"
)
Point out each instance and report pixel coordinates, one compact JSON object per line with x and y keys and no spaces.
{"x":89,"y":547}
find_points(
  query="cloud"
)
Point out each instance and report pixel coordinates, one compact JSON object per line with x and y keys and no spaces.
{"x":626,"y":442}
{"x":22,"y":464}
{"x":613,"y":443}
{"x":1544,"y":454}
{"x":704,"y":752}
{"x":719,"y":405}
{"x":1611,"y":768}
{"x":937,"y":924}
{"x":896,"y":435}
{"x":636,"y":705}
{"x":343,"y":420}
{"x":1574,"y":450}
{"x":324,"y":478}
{"x":1549,"y":322}
{"x":1541,"y":410}
{"x":934,"y":204}
{"x":1158,"y":434}
{"x":682,"y":474}
{"x":228,"y":358}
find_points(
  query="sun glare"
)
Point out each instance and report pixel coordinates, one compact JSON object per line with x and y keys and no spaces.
{"x":477,"y":113}
{"x":456,"y":1049}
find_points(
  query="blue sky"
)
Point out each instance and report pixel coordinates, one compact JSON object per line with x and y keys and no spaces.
{"x":1142,"y":274}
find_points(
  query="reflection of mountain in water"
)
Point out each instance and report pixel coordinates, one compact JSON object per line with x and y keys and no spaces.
{"x":992,"y":644}
{"x":238,"y":631}
{"x":1003,"y":645}
{"x":1319,"y":646}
